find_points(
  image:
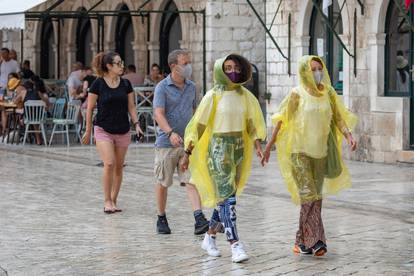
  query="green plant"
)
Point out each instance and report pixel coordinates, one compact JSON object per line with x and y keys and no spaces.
{"x":268,"y":96}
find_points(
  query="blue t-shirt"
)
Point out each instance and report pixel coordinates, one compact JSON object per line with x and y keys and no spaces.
{"x":178,"y":105}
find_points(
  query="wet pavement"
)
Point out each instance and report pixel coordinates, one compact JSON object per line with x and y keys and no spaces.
{"x":52,"y":221}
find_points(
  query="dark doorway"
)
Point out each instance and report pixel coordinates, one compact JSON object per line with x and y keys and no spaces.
{"x":47,"y":55}
{"x":124,"y":37}
{"x":83,"y":41}
{"x":170,"y":34}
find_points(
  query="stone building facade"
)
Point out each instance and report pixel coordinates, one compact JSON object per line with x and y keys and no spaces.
{"x":382,"y":34}
{"x":230,"y":27}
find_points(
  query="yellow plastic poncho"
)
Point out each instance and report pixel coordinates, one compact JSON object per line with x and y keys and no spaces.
{"x":207,"y":121}
{"x":306,"y":114}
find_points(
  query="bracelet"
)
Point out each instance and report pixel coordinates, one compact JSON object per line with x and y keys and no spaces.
{"x":188,"y":152}
{"x":136,"y":123}
{"x":170,"y":133}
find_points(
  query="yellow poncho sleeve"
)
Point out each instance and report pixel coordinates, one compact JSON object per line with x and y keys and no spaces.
{"x":344,"y":120}
{"x":256,"y":127}
{"x":286,"y":109}
{"x":200,"y":120}
{"x":199,"y":135}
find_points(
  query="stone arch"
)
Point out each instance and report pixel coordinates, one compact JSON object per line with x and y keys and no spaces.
{"x":111,"y":22}
{"x":379,"y":13}
{"x":303,"y":25}
{"x":37,"y":32}
{"x":72,"y":33}
{"x":156,"y":20}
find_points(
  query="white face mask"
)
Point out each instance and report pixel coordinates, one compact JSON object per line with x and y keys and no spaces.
{"x":188,"y":70}
{"x":318,"y":76}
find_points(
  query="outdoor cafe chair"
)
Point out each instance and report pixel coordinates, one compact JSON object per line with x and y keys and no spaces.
{"x":72,"y":116}
{"x":34,"y":115}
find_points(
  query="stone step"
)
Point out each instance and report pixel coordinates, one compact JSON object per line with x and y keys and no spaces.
{"x":406,"y":156}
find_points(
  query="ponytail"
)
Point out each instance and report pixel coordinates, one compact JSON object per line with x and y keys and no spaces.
{"x":97,"y":64}
{"x":101,"y":60}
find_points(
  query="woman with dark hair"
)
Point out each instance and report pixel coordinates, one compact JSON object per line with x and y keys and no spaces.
{"x":115,"y":100}
{"x":39,"y":87}
{"x":220,"y":139}
{"x":154,"y":77}
{"x":308,"y":132}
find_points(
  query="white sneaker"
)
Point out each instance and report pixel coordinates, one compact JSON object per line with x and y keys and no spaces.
{"x":238,"y":254}
{"x":209,"y":245}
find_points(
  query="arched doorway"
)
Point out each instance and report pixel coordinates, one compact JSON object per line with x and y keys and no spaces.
{"x":324,"y":44}
{"x":170,"y":34}
{"x":399,"y":58}
{"x":124,"y":37}
{"x":47,"y":53}
{"x":84,"y":40}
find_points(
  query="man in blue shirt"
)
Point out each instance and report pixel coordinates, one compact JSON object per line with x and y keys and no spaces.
{"x":174,"y":104}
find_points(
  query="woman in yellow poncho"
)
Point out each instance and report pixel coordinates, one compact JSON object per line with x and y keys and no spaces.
{"x":308,"y":133}
{"x":219,"y":140}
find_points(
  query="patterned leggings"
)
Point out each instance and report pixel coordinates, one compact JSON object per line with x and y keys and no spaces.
{"x":310,"y":224}
{"x":224,"y":219}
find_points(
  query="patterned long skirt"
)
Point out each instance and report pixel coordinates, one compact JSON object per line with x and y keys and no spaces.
{"x":309,"y":175}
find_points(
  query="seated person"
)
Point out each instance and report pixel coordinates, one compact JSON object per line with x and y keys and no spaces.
{"x":87,"y":82}
{"x":74,"y":84}
{"x":134,"y":78}
{"x":39,"y":88}
{"x":26,"y":72}
{"x":154,"y":77}
{"x":8,"y":94}
{"x":23,"y":93}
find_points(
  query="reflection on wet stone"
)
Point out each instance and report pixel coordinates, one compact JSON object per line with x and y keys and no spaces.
{"x":52,"y":221}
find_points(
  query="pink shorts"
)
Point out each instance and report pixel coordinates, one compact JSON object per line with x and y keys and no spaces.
{"x":119,"y":140}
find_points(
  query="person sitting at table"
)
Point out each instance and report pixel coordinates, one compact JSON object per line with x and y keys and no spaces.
{"x":8,"y":94}
{"x":23,"y":93}
{"x":39,"y":88}
{"x":87,"y":83}
{"x":136,"y":79}
{"x":26,"y":72}
{"x":74,"y":83}
{"x":154,"y":77}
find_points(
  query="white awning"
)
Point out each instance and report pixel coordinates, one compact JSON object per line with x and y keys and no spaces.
{"x":12,"y":12}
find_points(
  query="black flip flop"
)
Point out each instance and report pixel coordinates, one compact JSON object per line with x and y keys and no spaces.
{"x":107,"y":211}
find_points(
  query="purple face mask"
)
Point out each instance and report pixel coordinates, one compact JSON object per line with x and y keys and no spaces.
{"x":234,"y":77}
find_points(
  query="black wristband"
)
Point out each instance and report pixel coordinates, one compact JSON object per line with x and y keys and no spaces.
{"x":136,"y":123}
{"x":169,"y":133}
{"x":188,"y":152}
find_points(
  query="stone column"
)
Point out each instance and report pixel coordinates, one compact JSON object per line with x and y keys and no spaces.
{"x":36,"y":59}
{"x":109,"y":46}
{"x":347,"y":71}
{"x":140,"y":56}
{"x":71,"y":57}
{"x":94,"y":49}
{"x":56,"y":63}
{"x":154,"y":51}
{"x":376,"y":46}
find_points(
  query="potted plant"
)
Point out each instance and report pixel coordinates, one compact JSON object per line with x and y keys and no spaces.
{"x":268,"y":96}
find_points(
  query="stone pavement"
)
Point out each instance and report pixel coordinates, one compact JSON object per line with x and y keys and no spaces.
{"x":52,"y":221}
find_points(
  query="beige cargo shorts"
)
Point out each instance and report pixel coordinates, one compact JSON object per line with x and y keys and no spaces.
{"x":166,"y":162}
